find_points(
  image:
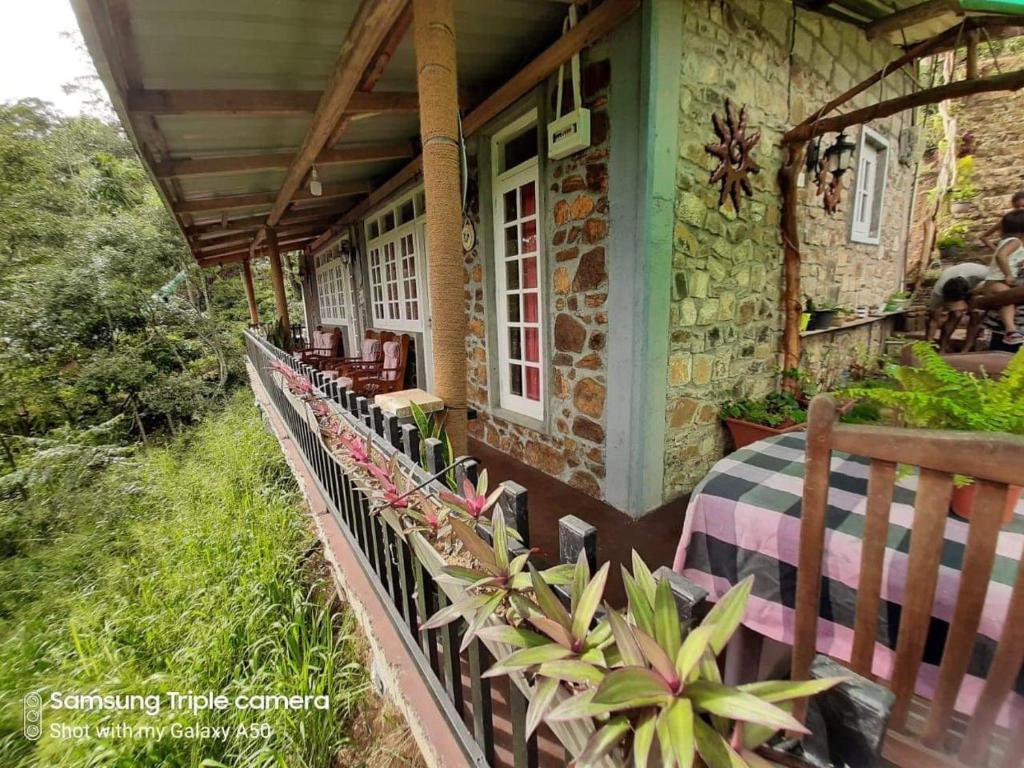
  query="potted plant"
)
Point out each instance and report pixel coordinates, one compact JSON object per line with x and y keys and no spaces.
{"x":964,"y":193}
{"x":822,"y":314}
{"x":952,"y":242}
{"x":935,"y":395}
{"x":753,"y":419}
{"x":898,"y":302}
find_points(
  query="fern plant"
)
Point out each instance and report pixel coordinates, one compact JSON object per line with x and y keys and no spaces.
{"x":935,"y":395}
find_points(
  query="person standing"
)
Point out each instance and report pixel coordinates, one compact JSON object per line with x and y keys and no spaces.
{"x":1016,"y":204}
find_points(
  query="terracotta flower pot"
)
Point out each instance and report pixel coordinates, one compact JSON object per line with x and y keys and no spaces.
{"x":963,"y":501}
{"x":746,"y":432}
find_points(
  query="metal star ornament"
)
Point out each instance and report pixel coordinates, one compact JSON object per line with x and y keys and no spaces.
{"x":734,"y":152}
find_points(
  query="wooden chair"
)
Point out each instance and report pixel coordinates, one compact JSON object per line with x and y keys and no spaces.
{"x":995,"y":461}
{"x":371,"y":354}
{"x":324,"y":345}
{"x":389,"y":376}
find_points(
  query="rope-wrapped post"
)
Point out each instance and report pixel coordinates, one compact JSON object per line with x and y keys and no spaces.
{"x":434,"y":40}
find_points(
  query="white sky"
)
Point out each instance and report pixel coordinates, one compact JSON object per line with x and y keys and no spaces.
{"x":36,"y":59}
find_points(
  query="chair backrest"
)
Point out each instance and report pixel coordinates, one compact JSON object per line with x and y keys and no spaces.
{"x":371,"y":351}
{"x":995,"y":461}
{"x":396,"y":356}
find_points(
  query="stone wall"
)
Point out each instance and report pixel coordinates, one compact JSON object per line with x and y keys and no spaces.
{"x":725,"y":313}
{"x":575,"y":230}
{"x":995,"y":127}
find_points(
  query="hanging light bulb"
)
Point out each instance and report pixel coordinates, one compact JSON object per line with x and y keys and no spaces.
{"x":315,"y":187}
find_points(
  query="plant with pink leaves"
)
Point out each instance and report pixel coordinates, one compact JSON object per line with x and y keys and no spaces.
{"x":474,"y":501}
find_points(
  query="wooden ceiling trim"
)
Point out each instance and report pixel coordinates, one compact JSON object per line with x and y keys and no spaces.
{"x":373,"y":20}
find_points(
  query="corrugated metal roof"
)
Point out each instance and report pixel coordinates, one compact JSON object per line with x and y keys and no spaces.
{"x":283,"y":45}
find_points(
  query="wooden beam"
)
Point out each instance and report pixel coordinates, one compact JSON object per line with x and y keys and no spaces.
{"x":374,"y":72}
{"x":243,"y":102}
{"x":908,"y":17}
{"x":227,"y":203}
{"x":318,"y":221}
{"x":972,"y":54}
{"x":211,"y":166}
{"x":332,"y":208}
{"x":229,"y":257}
{"x":373,"y":20}
{"x":595,"y":25}
{"x":300,"y":231}
{"x":1009,"y":81}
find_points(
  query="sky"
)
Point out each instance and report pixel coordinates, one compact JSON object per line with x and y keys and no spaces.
{"x":37,"y":58}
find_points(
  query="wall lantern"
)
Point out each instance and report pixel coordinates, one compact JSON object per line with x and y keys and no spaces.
{"x":832,"y":165}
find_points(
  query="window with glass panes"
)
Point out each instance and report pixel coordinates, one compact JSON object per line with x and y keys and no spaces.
{"x":332,"y":287}
{"x":518,"y":268}
{"x":394,"y":235}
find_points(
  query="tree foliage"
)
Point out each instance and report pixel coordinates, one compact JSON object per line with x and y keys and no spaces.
{"x":103,"y":313}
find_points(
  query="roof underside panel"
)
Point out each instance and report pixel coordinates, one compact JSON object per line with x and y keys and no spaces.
{"x":284,"y":45}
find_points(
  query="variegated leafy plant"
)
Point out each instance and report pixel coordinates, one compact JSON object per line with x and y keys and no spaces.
{"x":650,"y":683}
{"x":496,"y":582}
{"x":474,"y":502}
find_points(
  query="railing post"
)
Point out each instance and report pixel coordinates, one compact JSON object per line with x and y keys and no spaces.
{"x":352,"y":402}
{"x":575,"y":536}
{"x":467,"y":470}
{"x":513,"y":505}
{"x":690,"y":597}
{"x":376,"y":418}
{"x":411,"y":441}
{"x":393,"y":431}
{"x":435,"y":455}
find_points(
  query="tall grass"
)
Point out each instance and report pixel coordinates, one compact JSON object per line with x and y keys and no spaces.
{"x":185,"y":572}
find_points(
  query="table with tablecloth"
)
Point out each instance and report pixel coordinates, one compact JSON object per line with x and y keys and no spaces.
{"x":744,"y":518}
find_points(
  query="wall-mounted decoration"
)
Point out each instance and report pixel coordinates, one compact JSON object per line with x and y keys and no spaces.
{"x":734,"y":152}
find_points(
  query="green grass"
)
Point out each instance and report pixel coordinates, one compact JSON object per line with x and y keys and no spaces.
{"x":184,"y":571}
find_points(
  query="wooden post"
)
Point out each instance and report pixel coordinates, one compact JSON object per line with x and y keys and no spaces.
{"x":277,"y":281}
{"x":434,"y":38}
{"x":788,"y":176}
{"x":972,"y":54}
{"x":250,"y":293}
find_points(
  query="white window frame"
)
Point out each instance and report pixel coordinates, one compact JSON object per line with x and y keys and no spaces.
{"x":334,"y":298}
{"x":503,"y":181}
{"x":868,"y":207}
{"x":391,"y":310}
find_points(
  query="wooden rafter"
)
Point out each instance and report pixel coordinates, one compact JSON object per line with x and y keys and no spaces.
{"x":212,"y":233}
{"x":376,"y":70}
{"x":1009,"y":81}
{"x":908,"y":17}
{"x":254,"y":102}
{"x":209,"y":166}
{"x":373,"y":20}
{"x":592,"y":27}
{"x":241,"y":254}
{"x":955,"y":35}
{"x":230,"y":202}
{"x":285,"y":235}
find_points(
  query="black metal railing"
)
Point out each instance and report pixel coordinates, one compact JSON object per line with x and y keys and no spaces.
{"x":487,"y":716}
